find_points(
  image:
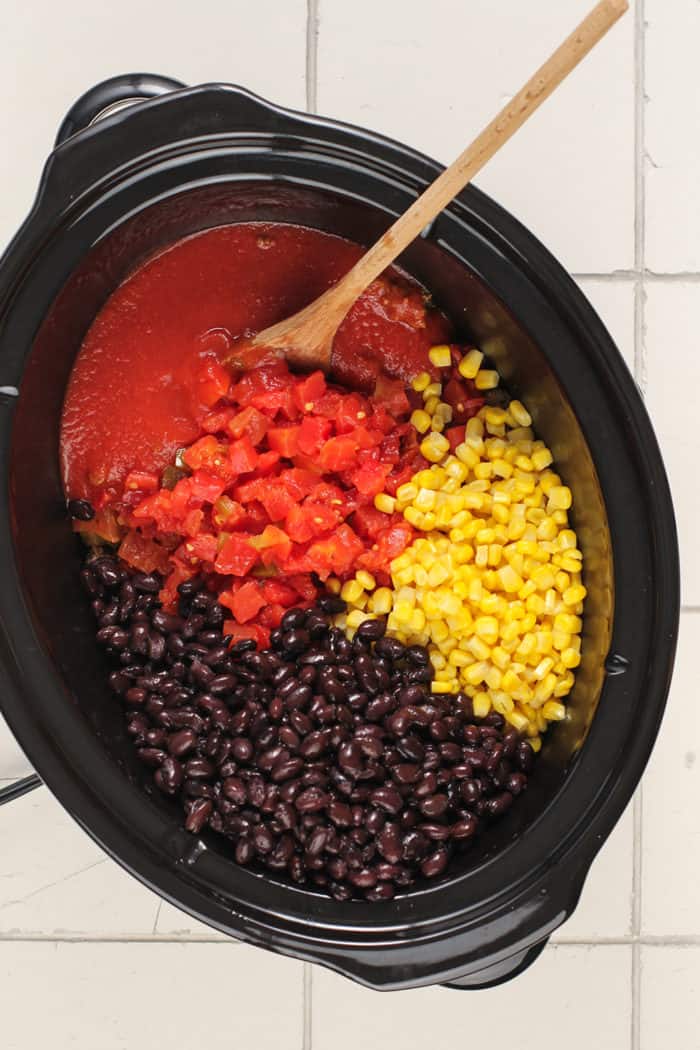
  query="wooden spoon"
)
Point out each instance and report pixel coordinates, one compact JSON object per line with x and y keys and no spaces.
{"x":306,"y":338}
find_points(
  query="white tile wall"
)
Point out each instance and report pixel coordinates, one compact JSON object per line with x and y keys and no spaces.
{"x":433,"y":81}
{"x":608,"y":174}
{"x":565,"y":984}
{"x":155,"y":996}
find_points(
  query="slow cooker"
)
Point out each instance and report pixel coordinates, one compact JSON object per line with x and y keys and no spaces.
{"x":180,"y":160}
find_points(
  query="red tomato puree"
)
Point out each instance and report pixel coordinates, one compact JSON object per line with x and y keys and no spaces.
{"x":134,"y":394}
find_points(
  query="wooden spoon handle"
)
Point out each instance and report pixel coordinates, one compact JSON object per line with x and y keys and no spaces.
{"x":464,"y":168}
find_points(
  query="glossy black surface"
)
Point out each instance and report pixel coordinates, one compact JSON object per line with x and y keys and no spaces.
{"x":203,"y":156}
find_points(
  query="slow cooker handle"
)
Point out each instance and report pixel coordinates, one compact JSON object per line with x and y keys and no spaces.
{"x":111,"y":94}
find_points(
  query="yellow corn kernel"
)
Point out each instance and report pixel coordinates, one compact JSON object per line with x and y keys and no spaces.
{"x":431,"y":403}
{"x":493,"y":414}
{"x":413,"y":516}
{"x":443,"y":412}
{"x":560,"y":497}
{"x":440,"y":356}
{"x":520,"y":414}
{"x":486,"y":628}
{"x":406,"y":493}
{"x":420,"y":420}
{"x":570,"y":657}
{"x":502,"y":468}
{"x":458,"y":658}
{"x":481,"y":705}
{"x":493,"y":678}
{"x":486,"y":379}
{"x":355,"y":617}
{"x":469,"y":366}
{"x":574,"y":595}
{"x":421,"y":381}
{"x":543,"y":668}
{"x":366,"y":579}
{"x":433,"y":448}
{"x":483,"y":471}
{"x":567,"y":540}
{"x":380,"y":601}
{"x":547,"y":529}
{"x":384,"y":502}
{"x":542,"y":458}
{"x":565,"y":685}
{"x":351,"y":591}
{"x":437,"y":574}
{"x":440,"y":687}
{"x":553,"y":711}
{"x":425,"y":499}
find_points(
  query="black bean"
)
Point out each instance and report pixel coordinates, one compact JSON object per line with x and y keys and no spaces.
{"x":311,"y":800}
{"x":200,"y":811}
{"x":386,"y":798}
{"x":435,"y":864}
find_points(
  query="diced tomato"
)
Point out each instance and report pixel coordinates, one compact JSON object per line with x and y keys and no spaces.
{"x":216,"y":422}
{"x":213,"y":382}
{"x":144,"y":554}
{"x":274,"y":402}
{"x":463,"y":398}
{"x":303,"y":585}
{"x":352,"y":410}
{"x":308,"y":463}
{"x":140,"y":481}
{"x":455,"y":436}
{"x":206,"y":452}
{"x":368,"y":522}
{"x":328,"y":405}
{"x":390,"y":542}
{"x":299,"y":482}
{"x":202,"y":547}
{"x":391,"y":393}
{"x":338,"y":453}
{"x":336,"y":553}
{"x":236,"y":557}
{"x":271,"y":616}
{"x":313,"y":432}
{"x":242,"y":632}
{"x":276,"y":499}
{"x":227,"y":513}
{"x":280,"y":592}
{"x":251,"y":423}
{"x":192,"y":522}
{"x":284,"y":440}
{"x":205,"y":487}
{"x":369,"y":479}
{"x":273,"y":545}
{"x":309,"y":391}
{"x":242,"y":456}
{"x":311,"y":519}
{"x":247,"y":601}
{"x":267,"y":461}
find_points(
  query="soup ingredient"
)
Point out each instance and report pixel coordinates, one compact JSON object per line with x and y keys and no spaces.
{"x":135,"y":395}
{"x":322,"y":758}
{"x":493,"y":586}
{"x":277,"y":493}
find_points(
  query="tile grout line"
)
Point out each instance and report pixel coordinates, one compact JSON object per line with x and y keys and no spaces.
{"x":312,"y":28}
{"x":312,"y":22}
{"x":307,"y":1007}
{"x":640,"y":373}
{"x":649,"y":941}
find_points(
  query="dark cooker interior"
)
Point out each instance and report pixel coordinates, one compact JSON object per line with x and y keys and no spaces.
{"x":50,"y":556}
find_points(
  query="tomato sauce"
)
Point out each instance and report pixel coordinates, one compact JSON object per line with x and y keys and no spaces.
{"x":132,"y":400}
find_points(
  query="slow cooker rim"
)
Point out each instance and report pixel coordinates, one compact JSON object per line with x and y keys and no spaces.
{"x":485,"y":206}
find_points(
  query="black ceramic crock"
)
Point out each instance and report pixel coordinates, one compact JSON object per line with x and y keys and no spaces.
{"x":113,"y":192}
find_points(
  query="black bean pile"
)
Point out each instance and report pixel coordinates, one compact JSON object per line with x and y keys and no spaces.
{"x":322,"y":758}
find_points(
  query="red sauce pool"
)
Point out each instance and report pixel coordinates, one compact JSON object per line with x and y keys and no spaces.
{"x":130,"y":402}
